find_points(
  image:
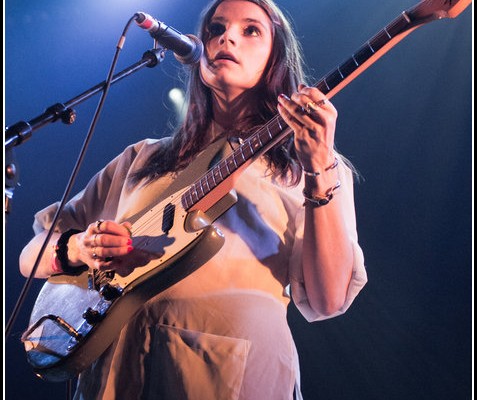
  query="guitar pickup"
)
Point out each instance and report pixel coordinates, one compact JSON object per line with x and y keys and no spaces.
{"x":168,"y":217}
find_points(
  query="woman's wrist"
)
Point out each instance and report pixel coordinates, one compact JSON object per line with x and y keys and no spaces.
{"x":60,"y":261}
{"x":320,"y":186}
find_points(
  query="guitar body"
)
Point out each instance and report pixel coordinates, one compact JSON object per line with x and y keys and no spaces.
{"x":74,"y":319}
{"x":57,"y":355}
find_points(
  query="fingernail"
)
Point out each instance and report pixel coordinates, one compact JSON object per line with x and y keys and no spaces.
{"x":129,"y":242}
{"x":130,"y":248}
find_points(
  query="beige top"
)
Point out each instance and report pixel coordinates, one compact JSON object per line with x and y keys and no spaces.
{"x":220,"y":333}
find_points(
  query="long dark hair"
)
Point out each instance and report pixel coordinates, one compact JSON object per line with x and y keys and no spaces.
{"x":283,"y":73}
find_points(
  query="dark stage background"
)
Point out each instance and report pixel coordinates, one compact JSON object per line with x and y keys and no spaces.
{"x":406,"y":123}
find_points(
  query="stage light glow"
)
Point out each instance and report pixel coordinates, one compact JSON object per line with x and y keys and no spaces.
{"x":176,"y":95}
{"x":177,"y":98}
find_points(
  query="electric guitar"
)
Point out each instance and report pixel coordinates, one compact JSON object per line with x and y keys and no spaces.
{"x":76,"y":317}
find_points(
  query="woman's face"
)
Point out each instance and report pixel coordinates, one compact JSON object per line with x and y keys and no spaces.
{"x":238,"y":49}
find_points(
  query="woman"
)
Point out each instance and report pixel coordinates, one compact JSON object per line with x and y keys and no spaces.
{"x":221,"y":332}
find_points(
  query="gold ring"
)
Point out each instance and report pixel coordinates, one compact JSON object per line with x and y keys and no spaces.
{"x":95,"y":256}
{"x":311,"y":106}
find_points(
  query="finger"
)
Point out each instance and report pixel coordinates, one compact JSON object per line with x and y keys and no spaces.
{"x":294,"y":114}
{"x":110,"y":240}
{"x":311,"y":92}
{"x":311,"y":104}
{"x":285,"y":113}
{"x":128,"y":226}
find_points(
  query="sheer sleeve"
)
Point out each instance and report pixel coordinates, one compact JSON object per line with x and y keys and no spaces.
{"x":359,"y":275}
{"x":100,"y":198}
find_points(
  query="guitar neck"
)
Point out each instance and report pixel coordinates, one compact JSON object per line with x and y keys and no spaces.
{"x":409,"y":20}
{"x":276,"y":130}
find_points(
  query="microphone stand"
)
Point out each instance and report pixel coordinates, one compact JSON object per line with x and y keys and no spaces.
{"x":21,"y":131}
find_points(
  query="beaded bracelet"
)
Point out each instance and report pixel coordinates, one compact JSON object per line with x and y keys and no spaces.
{"x":318,"y":201}
{"x":315,"y":174}
{"x":60,"y":260}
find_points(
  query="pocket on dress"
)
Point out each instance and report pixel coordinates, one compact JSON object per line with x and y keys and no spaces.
{"x":192,"y":365}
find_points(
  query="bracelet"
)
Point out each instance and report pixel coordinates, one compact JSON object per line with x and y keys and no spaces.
{"x":318,"y":201}
{"x":315,"y":174}
{"x":60,"y":260}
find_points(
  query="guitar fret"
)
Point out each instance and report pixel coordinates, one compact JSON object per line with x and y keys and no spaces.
{"x":269,"y":133}
{"x":348,"y":67}
{"x":387,"y":33}
{"x":241,"y":153}
{"x":196,"y":190}
{"x":231,"y":167}
{"x":341,"y":74}
{"x":398,"y":25}
{"x":217,"y":174}
{"x":265,"y":135}
{"x":238,"y":162}
{"x":406,"y":17}
{"x":248,"y":147}
{"x":380,"y":40}
{"x":363,"y":54}
{"x":201,"y":186}
{"x":206,"y":178}
{"x":213,"y":178}
{"x":259,"y":140}
{"x":333,"y":79}
{"x":186,"y":200}
{"x":194,"y":194}
{"x":255,"y":144}
{"x":326,"y":83}
{"x":226,"y":167}
{"x":210,"y":181}
{"x":370,"y":47}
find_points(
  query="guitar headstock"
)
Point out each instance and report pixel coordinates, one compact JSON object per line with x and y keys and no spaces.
{"x":437,"y":9}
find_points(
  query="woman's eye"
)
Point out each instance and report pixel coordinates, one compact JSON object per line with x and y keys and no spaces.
{"x":216,"y":29}
{"x":252,"y":31}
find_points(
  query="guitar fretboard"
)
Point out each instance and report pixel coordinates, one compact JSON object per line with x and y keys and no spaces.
{"x":252,"y":147}
{"x":276,"y":129}
{"x":364,"y":53}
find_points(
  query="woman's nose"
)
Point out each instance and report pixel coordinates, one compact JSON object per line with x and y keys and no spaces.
{"x":227,"y":36}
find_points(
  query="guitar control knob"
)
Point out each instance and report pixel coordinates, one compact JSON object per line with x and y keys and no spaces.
{"x":92,"y":316}
{"x":110,"y":292}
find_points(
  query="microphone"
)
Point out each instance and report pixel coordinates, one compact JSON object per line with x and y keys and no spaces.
{"x":187,"y":48}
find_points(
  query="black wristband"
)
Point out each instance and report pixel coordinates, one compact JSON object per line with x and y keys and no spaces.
{"x":61,"y":250}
